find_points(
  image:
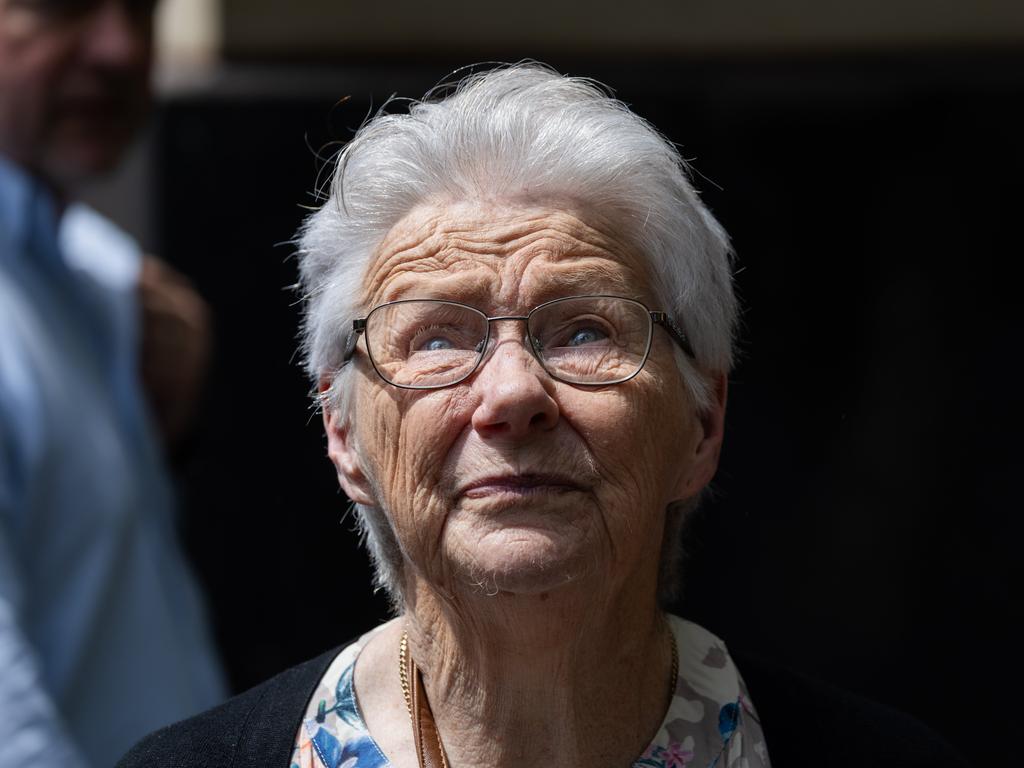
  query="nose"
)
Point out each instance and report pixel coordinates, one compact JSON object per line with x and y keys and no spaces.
{"x":119,"y":35}
{"x":516,"y":395}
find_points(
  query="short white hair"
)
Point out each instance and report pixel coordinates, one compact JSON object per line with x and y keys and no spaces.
{"x":514,"y":133}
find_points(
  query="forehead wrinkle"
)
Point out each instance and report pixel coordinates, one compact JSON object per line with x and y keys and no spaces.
{"x":583,"y":275}
{"x":507,"y":244}
{"x":423,"y":275}
{"x":466,"y":285}
{"x":402,"y":272}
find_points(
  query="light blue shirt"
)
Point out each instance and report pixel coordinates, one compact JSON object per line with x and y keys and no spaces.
{"x":102,"y":632}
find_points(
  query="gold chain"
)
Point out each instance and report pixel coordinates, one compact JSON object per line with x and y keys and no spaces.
{"x":403,"y":671}
{"x":403,"y":676}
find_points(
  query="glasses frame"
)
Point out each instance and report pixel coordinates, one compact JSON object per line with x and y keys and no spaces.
{"x":656,"y":318}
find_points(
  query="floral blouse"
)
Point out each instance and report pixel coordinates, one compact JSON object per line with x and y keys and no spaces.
{"x":711,"y":722}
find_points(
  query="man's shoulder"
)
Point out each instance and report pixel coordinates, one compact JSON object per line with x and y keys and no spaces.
{"x":810,"y":722}
{"x":254,"y":728}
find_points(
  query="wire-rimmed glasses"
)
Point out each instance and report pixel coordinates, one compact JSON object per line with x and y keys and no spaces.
{"x":584,"y":340}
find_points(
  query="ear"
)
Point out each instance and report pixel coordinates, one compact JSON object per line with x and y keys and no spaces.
{"x":703,"y":461}
{"x":342,"y":453}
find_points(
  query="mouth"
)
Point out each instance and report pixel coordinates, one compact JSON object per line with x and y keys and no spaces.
{"x":519,"y":485}
{"x":98,"y":108}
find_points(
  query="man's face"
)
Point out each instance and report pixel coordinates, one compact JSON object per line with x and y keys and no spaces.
{"x":74,"y":82}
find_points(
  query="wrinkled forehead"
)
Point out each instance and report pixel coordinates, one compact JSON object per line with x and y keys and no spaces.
{"x":500,"y":256}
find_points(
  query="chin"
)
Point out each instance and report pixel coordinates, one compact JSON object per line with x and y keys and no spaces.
{"x":79,"y":154}
{"x":526,"y":562}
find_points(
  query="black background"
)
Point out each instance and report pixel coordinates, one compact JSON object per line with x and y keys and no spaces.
{"x":865,"y":522}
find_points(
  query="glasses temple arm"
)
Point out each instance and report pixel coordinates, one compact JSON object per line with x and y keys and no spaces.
{"x":358,"y":327}
{"x":662,"y":319}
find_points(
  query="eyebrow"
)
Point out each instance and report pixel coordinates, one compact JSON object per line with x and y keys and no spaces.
{"x":439,"y":288}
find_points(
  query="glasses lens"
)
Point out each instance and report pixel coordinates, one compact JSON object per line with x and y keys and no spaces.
{"x":425,"y":343}
{"x":591,"y":339}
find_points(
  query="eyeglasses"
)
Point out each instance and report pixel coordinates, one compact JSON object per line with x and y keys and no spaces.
{"x":583,"y":340}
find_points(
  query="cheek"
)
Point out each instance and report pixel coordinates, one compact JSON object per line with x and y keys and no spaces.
{"x":23,"y":88}
{"x":407,"y":437}
{"x":33,"y":63}
{"x":36,"y":51}
{"x":637,"y":435}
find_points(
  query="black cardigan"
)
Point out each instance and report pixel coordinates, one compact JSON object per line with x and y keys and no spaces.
{"x":805,"y":722}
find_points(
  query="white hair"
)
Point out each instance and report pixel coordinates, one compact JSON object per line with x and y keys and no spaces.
{"x":519,"y":132}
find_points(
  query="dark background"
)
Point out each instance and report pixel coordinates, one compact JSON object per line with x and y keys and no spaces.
{"x":865,"y":522}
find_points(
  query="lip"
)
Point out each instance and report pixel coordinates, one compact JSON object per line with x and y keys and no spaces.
{"x":96,"y":107}
{"x":522,"y":484}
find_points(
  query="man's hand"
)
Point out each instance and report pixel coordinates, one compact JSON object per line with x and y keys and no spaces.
{"x":175,"y":352}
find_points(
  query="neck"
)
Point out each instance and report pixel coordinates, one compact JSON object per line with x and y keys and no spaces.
{"x":555,"y":678}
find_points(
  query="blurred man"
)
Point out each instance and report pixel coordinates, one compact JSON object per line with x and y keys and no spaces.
{"x":102,"y":636}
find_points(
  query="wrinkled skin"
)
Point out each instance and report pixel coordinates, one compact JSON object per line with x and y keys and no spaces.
{"x":74,"y":83}
{"x":610,"y":459}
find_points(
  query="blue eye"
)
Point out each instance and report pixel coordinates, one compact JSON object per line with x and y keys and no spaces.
{"x":435,"y":337}
{"x":586,"y":336}
{"x":437,"y":343}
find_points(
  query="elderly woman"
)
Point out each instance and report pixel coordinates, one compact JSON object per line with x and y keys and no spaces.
{"x":519,"y":322}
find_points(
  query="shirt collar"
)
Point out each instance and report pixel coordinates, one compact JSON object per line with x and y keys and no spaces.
{"x":28,"y":214}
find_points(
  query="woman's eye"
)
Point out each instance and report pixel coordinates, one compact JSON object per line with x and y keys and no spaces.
{"x":436,"y":343}
{"x":583,"y":336}
{"x":438,"y":337}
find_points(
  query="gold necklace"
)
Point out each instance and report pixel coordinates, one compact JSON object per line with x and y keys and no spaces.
{"x":423,"y":726}
{"x":403,"y":671}
{"x":408,"y":672}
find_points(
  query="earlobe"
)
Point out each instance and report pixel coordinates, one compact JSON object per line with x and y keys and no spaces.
{"x":703,"y":462}
{"x":342,"y":453}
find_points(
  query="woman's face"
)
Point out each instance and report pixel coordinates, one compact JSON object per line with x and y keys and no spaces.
{"x":512,"y":481}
